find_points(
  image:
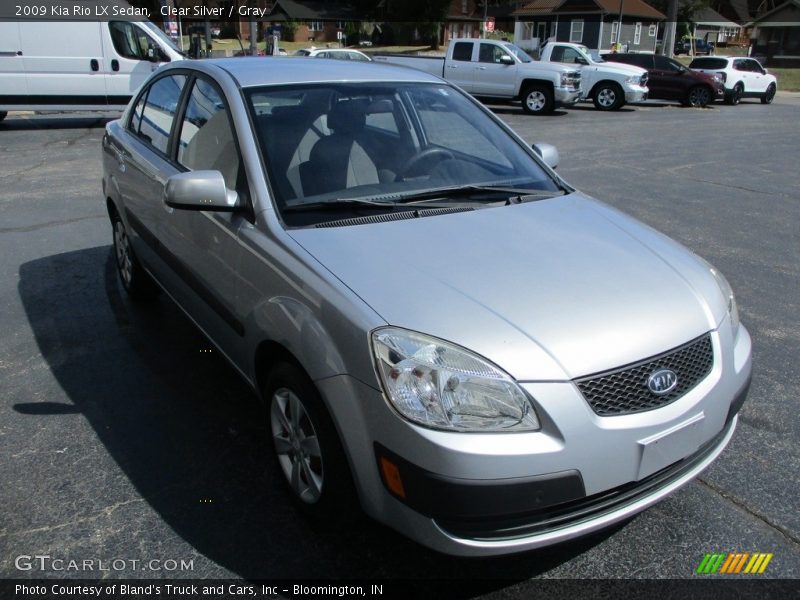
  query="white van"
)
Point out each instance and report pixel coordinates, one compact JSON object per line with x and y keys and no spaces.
{"x":77,"y":65}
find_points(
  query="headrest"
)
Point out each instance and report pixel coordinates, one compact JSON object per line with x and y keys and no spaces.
{"x":347,"y":116}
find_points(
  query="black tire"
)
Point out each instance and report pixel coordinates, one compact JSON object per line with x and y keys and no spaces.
{"x":769,"y":95}
{"x":699,"y":96}
{"x":735,"y":95}
{"x":608,"y":96}
{"x":323,"y":489}
{"x":136,"y":281}
{"x":537,"y":100}
{"x":3,"y":114}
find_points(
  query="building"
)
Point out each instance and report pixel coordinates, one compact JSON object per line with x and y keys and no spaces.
{"x":594,"y":23}
{"x":713,"y":27}
{"x":776,"y":35}
{"x":314,"y":22}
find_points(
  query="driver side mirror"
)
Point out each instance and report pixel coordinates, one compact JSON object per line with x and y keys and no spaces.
{"x":200,"y":190}
{"x":505,"y":59}
{"x":581,"y":61}
{"x":548,"y":153}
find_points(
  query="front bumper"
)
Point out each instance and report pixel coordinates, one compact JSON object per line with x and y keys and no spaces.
{"x":635,"y":93}
{"x":491,"y":494}
{"x":567,"y":96}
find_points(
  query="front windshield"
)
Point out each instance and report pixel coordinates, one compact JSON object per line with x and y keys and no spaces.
{"x":385,"y":142}
{"x":162,"y":36}
{"x":518,"y":52}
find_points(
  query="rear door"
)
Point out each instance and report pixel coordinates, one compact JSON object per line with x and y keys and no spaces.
{"x":459,"y":68}
{"x":492,"y":77}
{"x":144,"y":166}
{"x":63,"y":62}
{"x":12,"y":71}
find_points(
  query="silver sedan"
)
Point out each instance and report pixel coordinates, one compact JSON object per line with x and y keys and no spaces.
{"x":444,"y":331}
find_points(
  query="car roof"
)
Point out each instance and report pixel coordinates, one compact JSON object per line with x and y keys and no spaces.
{"x":251,"y":71}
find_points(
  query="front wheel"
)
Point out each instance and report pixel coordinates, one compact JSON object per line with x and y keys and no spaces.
{"x":608,"y":96}
{"x":537,"y":100}
{"x":769,"y":95}
{"x":307,"y":447}
{"x":735,"y":95}
{"x":137,"y":283}
{"x":699,"y":96}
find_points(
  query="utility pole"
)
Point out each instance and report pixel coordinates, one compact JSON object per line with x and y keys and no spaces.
{"x":619,"y":29}
{"x":253,"y":32}
{"x":669,"y":30}
{"x":485,"y":15}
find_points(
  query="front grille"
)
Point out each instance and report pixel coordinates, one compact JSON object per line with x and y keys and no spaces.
{"x":624,"y":391}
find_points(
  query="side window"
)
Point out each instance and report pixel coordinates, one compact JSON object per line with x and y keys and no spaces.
{"x":159,"y":111}
{"x":489,"y":53}
{"x":665,"y":64}
{"x":571,"y":56}
{"x":206,"y":137}
{"x":557,"y":54}
{"x":382,"y":120}
{"x":129,"y":41}
{"x":740,"y":65}
{"x":463,"y":51}
{"x":754,"y":66}
{"x":136,"y":117}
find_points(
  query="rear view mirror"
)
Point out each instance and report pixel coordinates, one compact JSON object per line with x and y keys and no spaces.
{"x":200,"y":190}
{"x":505,"y":59}
{"x":549,"y":154}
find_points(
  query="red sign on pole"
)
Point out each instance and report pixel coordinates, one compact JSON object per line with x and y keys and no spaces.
{"x":488,"y":26}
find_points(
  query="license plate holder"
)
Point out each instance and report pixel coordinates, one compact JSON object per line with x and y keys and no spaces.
{"x":667,"y":447}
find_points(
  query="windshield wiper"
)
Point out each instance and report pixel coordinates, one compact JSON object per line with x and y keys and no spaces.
{"x":518,"y":194}
{"x":341,"y":204}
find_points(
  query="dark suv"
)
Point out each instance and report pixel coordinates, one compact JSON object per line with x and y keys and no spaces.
{"x":670,"y":80}
{"x":700,"y":47}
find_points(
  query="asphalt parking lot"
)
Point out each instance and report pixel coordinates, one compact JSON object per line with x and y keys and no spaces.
{"x":124,"y":437}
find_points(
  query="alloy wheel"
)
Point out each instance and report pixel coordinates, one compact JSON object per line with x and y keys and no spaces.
{"x":297,"y":445}
{"x":122,"y":248}
{"x":536,"y":101}
{"x":606,"y":97}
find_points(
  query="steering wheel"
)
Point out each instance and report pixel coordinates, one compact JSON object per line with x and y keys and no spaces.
{"x":433,"y":154}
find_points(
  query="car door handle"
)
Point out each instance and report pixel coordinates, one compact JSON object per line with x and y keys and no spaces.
{"x":94,"y":64}
{"x":10,"y":53}
{"x":114,"y":65}
{"x":452,"y":66}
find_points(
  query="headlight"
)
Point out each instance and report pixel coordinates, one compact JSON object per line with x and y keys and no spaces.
{"x":727,"y":292}
{"x":632,"y":80}
{"x":571,"y":79}
{"x":718,"y":78}
{"x":439,"y":385}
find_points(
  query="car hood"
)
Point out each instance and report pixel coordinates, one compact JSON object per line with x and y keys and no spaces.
{"x":614,"y":67}
{"x":547,"y":290}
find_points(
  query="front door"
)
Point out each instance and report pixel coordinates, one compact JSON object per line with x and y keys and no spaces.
{"x":492,"y":77}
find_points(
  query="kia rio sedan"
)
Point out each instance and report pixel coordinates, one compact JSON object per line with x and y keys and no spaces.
{"x":443,"y":330}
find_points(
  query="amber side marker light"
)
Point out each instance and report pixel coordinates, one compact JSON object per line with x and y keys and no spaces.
{"x":391,"y":476}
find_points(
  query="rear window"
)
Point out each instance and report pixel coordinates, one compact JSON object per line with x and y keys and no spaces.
{"x":709,"y":63}
{"x":463,"y":51}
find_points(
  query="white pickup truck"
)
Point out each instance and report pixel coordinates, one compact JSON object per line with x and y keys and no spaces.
{"x":609,"y":85}
{"x":495,"y":69}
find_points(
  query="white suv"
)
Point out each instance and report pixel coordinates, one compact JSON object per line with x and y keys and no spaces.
{"x":340,"y":53}
{"x":743,"y":77}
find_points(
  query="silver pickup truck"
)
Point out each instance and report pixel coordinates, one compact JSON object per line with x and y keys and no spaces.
{"x":494,"y":69}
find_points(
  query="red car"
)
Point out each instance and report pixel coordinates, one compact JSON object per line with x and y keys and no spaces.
{"x":670,"y":80}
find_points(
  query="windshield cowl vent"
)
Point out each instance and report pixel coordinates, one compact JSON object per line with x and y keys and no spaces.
{"x":394,"y":216}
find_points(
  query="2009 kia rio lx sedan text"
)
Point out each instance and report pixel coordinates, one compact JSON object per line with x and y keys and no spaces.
{"x":442,"y":328}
